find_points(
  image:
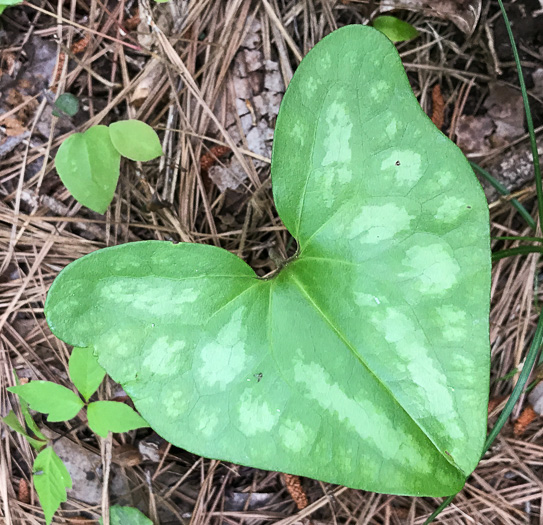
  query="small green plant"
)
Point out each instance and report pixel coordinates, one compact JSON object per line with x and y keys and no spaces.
{"x":4,"y":4}
{"x":126,"y":516}
{"x":51,"y":478}
{"x":89,"y":163}
{"x":364,"y":360}
{"x":66,"y":104}
{"x":395,"y":29}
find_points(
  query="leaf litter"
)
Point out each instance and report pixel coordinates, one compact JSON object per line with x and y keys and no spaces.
{"x":505,"y":487}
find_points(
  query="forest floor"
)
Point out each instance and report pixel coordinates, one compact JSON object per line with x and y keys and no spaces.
{"x":238,"y":56}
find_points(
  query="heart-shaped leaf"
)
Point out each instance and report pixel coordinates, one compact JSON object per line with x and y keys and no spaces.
{"x":365,"y":360}
{"x":88,"y":165}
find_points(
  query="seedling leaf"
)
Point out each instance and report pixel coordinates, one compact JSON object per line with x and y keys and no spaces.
{"x":365,"y":360}
{"x":8,"y":3}
{"x":135,"y":140}
{"x":49,"y":398}
{"x":13,"y":422}
{"x":30,"y":423}
{"x":85,"y":372}
{"x":395,"y":29}
{"x":88,"y":165}
{"x":66,"y":103}
{"x":51,"y":479}
{"x":126,"y":516}
{"x":110,"y":416}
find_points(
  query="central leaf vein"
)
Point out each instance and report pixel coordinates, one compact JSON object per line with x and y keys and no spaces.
{"x":353,"y":350}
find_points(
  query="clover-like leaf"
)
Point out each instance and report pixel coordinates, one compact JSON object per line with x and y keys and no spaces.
{"x":49,"y":398}
{"x":365,"y":360}
{"x":85,"y":372}
{"x":51,"y":479}
{"x":110,"y":416}
{"x":135,"y":140}
{"x":126,"y":516}
{"x":88,"y":165}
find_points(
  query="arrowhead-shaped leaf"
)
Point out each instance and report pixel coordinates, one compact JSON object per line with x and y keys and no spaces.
{"x":51,"y":479}
{"x":365,"y":360}
{"x":49,"y":398}
{"x":88,"y":165}
{"x":110,"y":416}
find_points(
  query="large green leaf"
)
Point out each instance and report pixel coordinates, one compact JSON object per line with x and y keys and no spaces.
{"x":365,"y":360}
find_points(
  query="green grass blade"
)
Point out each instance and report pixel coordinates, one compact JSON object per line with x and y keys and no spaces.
{"x":527,"y":111}
{"x":519,"y":250}
{"x":538,"y":336}
{"x":513,"y":398}
{"x":504,"y":191}
{"x":521,"y":383}
{"x":516,"y":238}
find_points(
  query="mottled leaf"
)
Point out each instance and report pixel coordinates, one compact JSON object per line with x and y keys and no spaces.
{"x":126,"y":516}
{"x":365,"y":360}
{"x":110,"y":416}
{"x":85,"y":372}
{"x":49,"y":398}
{"x":88,"y":165}
{"x":135,"y":140}
{"x":51,"y":479}
{"x":395,"y":29}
